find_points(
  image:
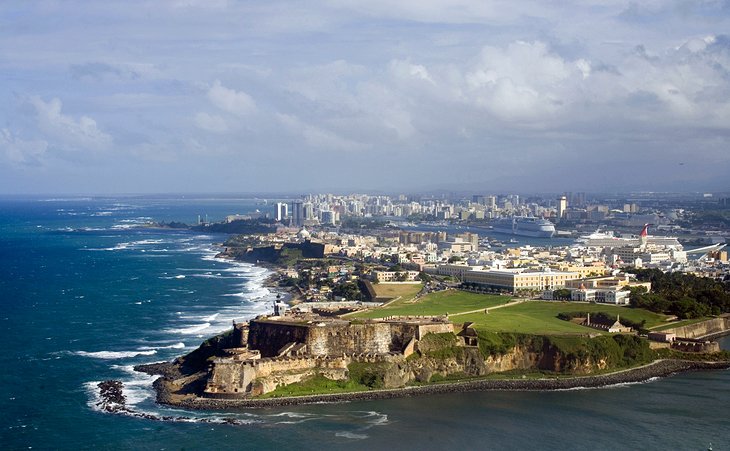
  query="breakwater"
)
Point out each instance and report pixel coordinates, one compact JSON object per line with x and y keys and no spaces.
{"x":660,"y":368}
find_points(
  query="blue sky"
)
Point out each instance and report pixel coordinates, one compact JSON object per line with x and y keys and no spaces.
{"x":227,"y":96}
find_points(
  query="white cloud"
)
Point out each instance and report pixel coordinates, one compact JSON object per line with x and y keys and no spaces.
{"x":21,"y":152}
{"x":522,"y":81}
{"x":317,"y":137}
{"x":408,"y":70}
{"x":230,"y":100}
{"x":211,"y":122}
{"x":478,"y":81}
{"x":72,"y":134}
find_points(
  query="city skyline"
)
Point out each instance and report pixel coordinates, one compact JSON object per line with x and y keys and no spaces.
{"x":222,"y":96}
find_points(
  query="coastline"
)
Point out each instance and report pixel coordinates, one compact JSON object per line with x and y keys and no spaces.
{"x":288,"y":294}
{"x":656,"y":369}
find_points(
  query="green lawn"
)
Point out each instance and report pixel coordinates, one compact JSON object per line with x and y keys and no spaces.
{"x":315,"y":385}
{"x":393,"y":290}
{"x":439,"y":303}
{"x":540,"y":317}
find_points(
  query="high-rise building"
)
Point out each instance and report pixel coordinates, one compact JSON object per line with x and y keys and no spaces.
{"x":328,"y":217}
{"x":281,"y":211}
{"x":297,"y":213}
{"x":308,"y":211}
{"x":562,"y":206}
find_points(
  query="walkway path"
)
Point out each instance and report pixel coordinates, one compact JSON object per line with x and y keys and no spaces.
{"x":488,"y":309}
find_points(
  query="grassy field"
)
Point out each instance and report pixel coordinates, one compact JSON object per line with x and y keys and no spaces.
{"x":393,"y":290}
{"x":540,"y":317}
{"x":315,"y":385}
{"x":438,"y":303}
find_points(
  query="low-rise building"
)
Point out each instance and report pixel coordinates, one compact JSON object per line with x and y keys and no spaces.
{"x":518,"y":279}
{"x":396,"y":276}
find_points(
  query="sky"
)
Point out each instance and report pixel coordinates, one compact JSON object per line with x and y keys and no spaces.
{"x":340,"y":96}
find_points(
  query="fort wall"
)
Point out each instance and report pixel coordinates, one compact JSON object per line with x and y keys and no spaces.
{"x":714,"y":326}
{"x":270,"y":337}
{"x":339,"y":339}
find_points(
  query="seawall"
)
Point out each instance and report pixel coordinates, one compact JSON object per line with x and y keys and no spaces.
{"x":660,"y":368}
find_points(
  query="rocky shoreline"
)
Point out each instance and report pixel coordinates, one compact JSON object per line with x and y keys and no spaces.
{"x":288,"y":295}
{"x":660,"y":368}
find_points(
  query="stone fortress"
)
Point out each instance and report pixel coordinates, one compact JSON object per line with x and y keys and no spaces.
{"x":273,"y":351}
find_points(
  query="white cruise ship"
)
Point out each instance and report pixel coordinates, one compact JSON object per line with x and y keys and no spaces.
{"x":608,"y":239}
{"x":524,"y":226}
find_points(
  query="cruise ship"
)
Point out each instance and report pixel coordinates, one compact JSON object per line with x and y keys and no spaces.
{"x":608,"y":239}
{"x":524,"y":226}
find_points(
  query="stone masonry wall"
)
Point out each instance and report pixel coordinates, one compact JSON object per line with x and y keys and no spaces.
{"x":703,"y":328}
{"x":349,"y":339}
{"x":270,"y":337}
{"x":234,"y":377}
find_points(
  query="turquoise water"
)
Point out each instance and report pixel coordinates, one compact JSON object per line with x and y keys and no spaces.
{"x":86,"y":295}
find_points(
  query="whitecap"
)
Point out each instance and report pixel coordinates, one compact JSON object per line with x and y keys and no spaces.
{"x":192,"y":329}
{"x":351,"y":435}
{"x":110,"y":355}
{"x":179,"y":345}
{"x":211,"y":317}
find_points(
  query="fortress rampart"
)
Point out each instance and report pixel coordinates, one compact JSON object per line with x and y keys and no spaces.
{"x":702,"y":329}
{"x":275,"y":351}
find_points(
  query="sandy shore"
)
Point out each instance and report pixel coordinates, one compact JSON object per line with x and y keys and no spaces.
{"x":659,"y":368}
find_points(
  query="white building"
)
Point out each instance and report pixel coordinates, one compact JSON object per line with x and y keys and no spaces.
{"x":281,"y":211}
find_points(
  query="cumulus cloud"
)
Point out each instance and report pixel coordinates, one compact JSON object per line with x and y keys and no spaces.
{"x":230,"y":100}
{"x":426,"y":82}
{"x":408,"y":70}
{"x":73,"y":134}
{"x":521,"y":81}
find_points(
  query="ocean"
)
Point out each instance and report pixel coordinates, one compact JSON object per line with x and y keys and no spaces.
{"x":86,"y":294}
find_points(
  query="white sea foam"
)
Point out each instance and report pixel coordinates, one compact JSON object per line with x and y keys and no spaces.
{"x":212,"y":276}
{"x":351,"y":435}
{"x":377,"y":418}
{"x":179,"y":276}
{"x":111,"y":355}
{"x":179,"y":345}
{"x":192,"y":329}
{"x":211,"y":317}
{"x":292,"y":415}
{"x":149,"y":241}
{"x":611,"y":386}
{"x":92,"y":390}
